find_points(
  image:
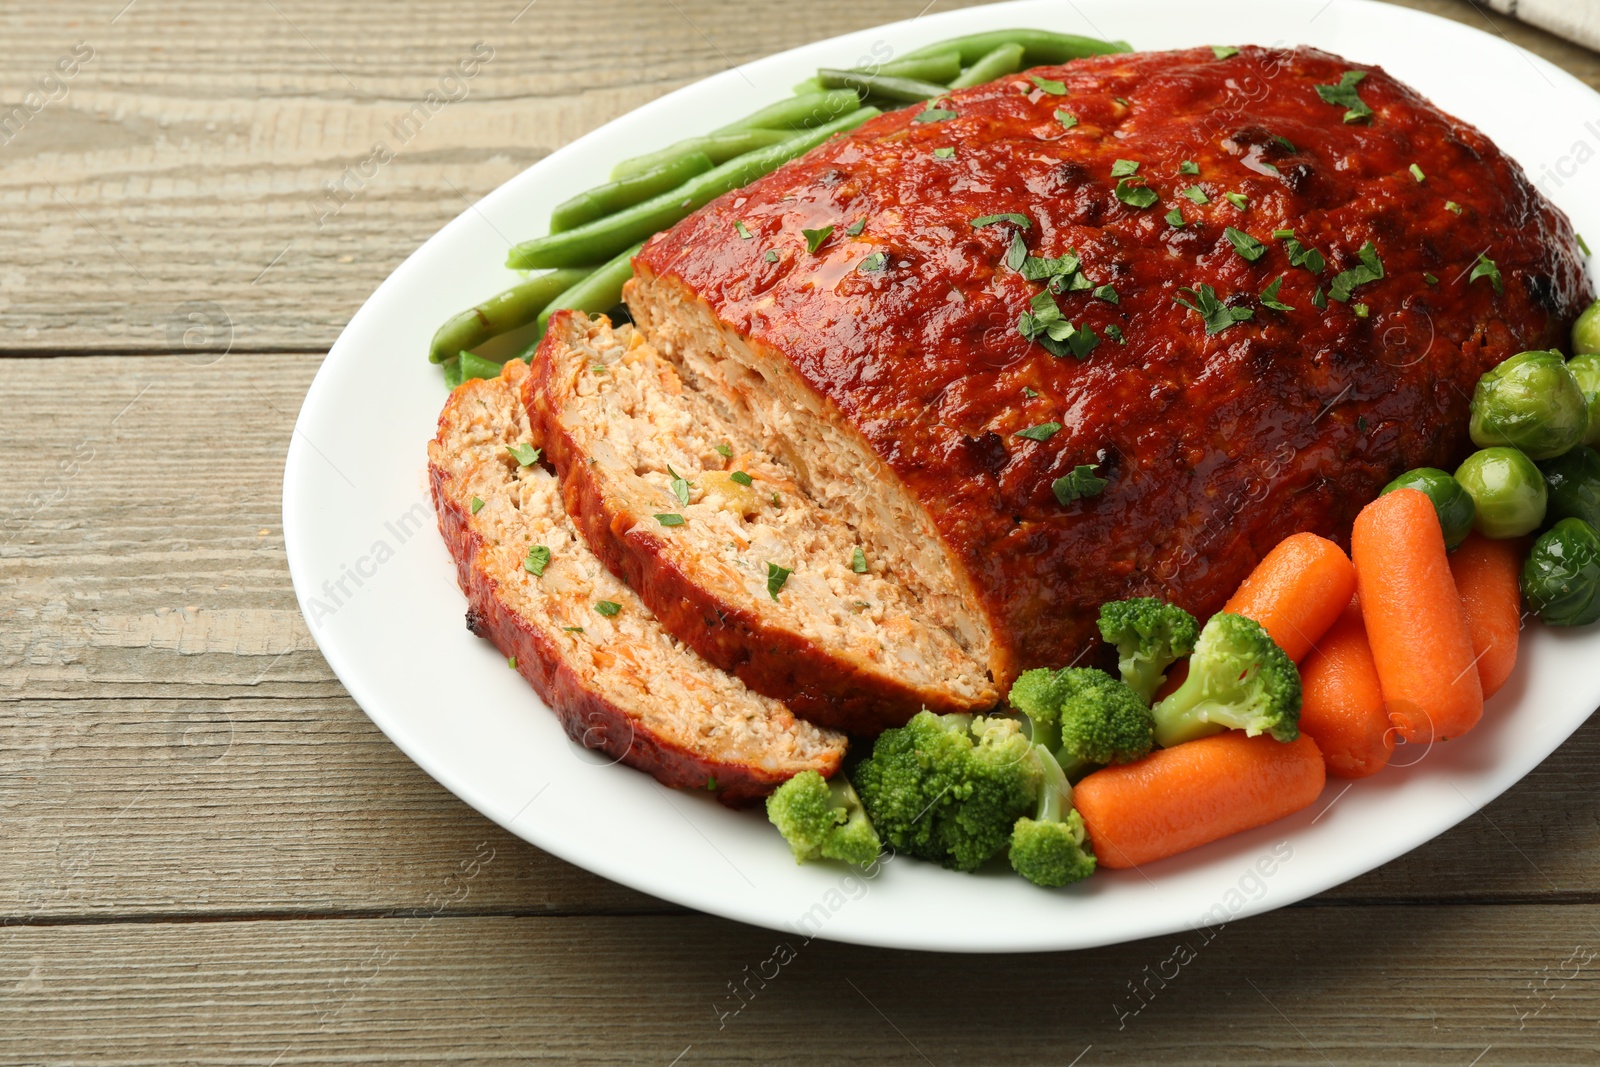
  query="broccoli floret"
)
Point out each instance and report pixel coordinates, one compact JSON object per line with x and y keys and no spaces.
{"x":1150,"y":635}
{"x":1049,"y":848}
{"x":823,"y":819}
{"x":949,"y":788}
{"x":1239,"y":679}
{"x":1084,"y":717}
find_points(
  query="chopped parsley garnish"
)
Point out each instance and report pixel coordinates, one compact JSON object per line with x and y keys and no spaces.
{"x":1124,"y":168}
{"x":1361,"y":423}
{"x":1066,"y":118}
{"x":525,"y":455}
{"x":814,"y":238}
{"x":1452,"y":206}
{"x":724,"y":450}
{"x":858,"y":561}
{"x":511,"y":661}
{"x":680,"y":486}
{"x":477,"y":505}
{"x":1042,"y":432}
{"x":1009,"y":216}
{"x":1017,"y":254}
{"x":1124,"y":101}
{"x":1344,"y":95}
{"x":669,"y":518}
{"x":1217,"y":315}
{"x":1318,"y":300}
{"x":1054,"y":88}
{"x":876,"y":261}
{"x":1197,"y":194}
{"x":1361,"y":310}
{"x":1431,"y":279}
{"x":1174,"y":217}
{"x":855,"y":228}
{"x":1303,"y":256}
{"x":1081,"y":483}
{"x":598,"y":368}
{"x":944,"y":153}
{"x":1485,"y":268}
{"x":1248,"y":247}
{"x":1370,"y":269}
{"x":739,"y":228}
{"x":1135,"y":195}
{"x":1222,"y":51}
{"x":1583,"y":244}
{"x":1416,"y":172}
{"x":1029,"y":392}
{"x":537,"y":559}
{"x":1108,"y":294}
{"x":1115,"y":333}
{"x":1053,"y":332}
{"x":1188,"y":166}
{"x":934,"y":114}
{"x":1238,"y":200}
{"x":1060,"y":273}
{"x":572,"y":629}
{"x":1269,"y":296}
{"x":608,"y":608}
{"x":1278,"y":235}
{"x":776,"y":576}
{"x":1288,"y":145}
{"x":741,"y":477}
{"x":771,"y":256}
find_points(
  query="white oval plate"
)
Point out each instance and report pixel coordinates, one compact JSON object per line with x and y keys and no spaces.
{"x":379,"y":591}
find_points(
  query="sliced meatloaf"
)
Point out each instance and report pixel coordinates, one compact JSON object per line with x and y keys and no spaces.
{"x":594,"y":653}
{"x":1116,"y":327}
{"x":681,"y":499}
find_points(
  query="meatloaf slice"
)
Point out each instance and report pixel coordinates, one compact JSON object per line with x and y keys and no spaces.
{"x":678,"y":495}
{"x":618,"y":682}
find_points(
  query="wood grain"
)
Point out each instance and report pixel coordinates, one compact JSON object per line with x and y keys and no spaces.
{"x":1305,"y":986}
{"x":187,"y":160}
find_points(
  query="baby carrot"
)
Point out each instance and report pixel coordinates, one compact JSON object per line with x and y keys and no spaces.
{"x":1181,"y":797}
{"x":1415,"y":622}
{"x":1342,"y":700}
{"x":1297,"y":591}
{"x":1486,"y":573}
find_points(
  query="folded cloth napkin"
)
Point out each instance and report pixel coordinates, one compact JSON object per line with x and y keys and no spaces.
{"x":1576,"y":20}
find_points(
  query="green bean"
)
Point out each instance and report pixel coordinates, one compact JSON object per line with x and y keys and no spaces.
{"x":602,"y":200}
{"x":604,"y":238}
{"x":1006,"y":59}
{"x":939,"y":67}
{"x":810,"y":85}
{"x":1040,"y":46}
{"x":502,"y":313}
{"x":477,"y":367}
{"x":885,"y":87}
{"x":600,"y":291}
{"x":719,"y":147}
{"x":798,"y":112}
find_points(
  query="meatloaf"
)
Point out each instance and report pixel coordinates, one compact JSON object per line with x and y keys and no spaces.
{"x":1116,"y":327}
{"x":716,"y":537}
{"x":616,"y":679}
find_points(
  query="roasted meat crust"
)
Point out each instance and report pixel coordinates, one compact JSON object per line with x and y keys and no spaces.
{"x":1215,"y":446}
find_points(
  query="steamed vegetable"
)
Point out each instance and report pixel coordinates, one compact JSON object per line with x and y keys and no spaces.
{"x":1040,"y":46}
{"x":1180,"y":798}
{"x":718,"y":147}
{"x":1002,"y":60}
{"x":1415,"y":622}
{"x":1531,"y":402}
{"x":822,"y":819}
{"x":1149,"y":635}
{"x":1083,"y":716}
{"x":1050,"y":847}
{"x":1453,"y":503}
{"x":1342,"y":708}
{"x":1296,"y":591}
{"x":1573,"y":482}
{"x":1486,"y":574}
{"x":1239,"y":679}
{"x":1586,"y":331}
{"x":1562,"y":576}
{"x":1507,"y":490}
{"x":597,"y":292}
{"x":502,"y":313}
{"x":602,"y":200}
{"x":1585,"y":369}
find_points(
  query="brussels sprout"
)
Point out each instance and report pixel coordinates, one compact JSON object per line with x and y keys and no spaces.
{"x":1586,"y":369}
{"x":1574,"y":481}
{"x":1507,"y":490}
{"x":1586,"y":331}
{"x":1562,"y":576}
{"x":1531,"y":402}
{"x":1455,"y":507}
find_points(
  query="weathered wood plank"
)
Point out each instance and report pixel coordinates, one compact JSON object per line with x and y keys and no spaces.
{"x":1508,"y":985}
{"x":187,"y":160}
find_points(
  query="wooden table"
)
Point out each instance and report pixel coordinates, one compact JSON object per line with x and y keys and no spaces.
{"x":211,"y":856}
